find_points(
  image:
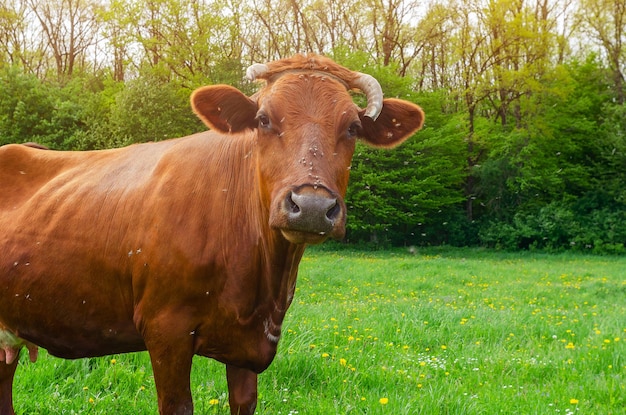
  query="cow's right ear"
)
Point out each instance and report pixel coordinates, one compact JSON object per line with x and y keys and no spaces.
{"x":224,"y":108}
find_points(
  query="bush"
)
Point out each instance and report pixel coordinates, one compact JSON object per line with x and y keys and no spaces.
{"x":558,"y":226}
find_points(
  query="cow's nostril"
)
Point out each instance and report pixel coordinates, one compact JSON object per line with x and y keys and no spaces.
{"x":293,"y":206}
{"x":334,"y":211}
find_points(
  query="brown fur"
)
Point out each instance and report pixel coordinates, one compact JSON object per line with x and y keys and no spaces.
{"x":310,"y":62}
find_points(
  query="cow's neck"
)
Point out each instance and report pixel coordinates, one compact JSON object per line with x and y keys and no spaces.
{"x":266,"y":283}
{"x":283,"y":272}
{"x":278,"y":260}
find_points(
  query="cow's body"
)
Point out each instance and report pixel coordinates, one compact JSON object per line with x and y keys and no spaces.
{"x":182,"y":247}
{"x":132,"y":221}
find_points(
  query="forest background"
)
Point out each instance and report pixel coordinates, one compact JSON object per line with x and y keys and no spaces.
{"x":524,"y":144}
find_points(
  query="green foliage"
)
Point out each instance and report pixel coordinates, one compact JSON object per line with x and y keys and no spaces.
{"x":537,"y":179}
{"x":149,"y":110}
{"x":558,"y":226}
{"x":393,"y":194}
{"x":92,"y":113}
{"x":26,"y":107}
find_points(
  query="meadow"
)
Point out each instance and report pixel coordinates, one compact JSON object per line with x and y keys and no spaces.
{"x":437,"y":331}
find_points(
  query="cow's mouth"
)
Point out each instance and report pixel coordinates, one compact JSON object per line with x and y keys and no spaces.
{"x":309,"y":214}
{"x":298,"y":237}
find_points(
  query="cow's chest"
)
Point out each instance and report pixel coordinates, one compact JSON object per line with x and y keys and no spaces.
{"x":242,"y":341}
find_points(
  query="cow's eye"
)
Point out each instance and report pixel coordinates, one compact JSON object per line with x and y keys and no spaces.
{"x":354,"y":128}
{"x":264,"y":121}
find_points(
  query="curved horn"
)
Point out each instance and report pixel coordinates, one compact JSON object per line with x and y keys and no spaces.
{"x":366,"y":83}
{"x":256,"y":70}
{"x":374,"y":93}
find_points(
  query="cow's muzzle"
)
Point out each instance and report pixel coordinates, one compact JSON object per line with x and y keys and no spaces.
{"x":311,"y":214}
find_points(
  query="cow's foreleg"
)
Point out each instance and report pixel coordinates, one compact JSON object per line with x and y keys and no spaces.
{"x":171,"y":376}
{"x":242,"y":390}
{"x":171,"y":354}
{"x":7,"y":372}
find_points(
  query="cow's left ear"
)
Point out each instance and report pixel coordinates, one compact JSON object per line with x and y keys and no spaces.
{"x":224,"y":108}
{"x":397,"y":121}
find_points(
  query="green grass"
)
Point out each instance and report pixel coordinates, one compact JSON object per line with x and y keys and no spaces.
{"x":444,"y":331}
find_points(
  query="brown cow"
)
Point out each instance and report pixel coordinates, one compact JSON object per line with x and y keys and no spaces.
{"x":186,"y":246}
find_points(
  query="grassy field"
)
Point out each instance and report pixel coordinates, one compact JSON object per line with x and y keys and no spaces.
{"x":437,"y":332}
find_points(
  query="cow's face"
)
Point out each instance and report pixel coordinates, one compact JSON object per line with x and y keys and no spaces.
{"x":306,"y":127}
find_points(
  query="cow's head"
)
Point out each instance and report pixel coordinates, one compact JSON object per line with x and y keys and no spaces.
{"x":306,"y":126}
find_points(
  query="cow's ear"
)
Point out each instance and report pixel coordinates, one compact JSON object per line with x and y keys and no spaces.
{"x":224,"y":108}
{"x":397,"y":121}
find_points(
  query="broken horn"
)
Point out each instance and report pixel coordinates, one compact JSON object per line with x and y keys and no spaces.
{"x":256,"y":70}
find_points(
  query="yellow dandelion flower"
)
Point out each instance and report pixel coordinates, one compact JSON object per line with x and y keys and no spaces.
{"x":214,"y":401}
{"x":383,"y":401}
{"x":573,"y":401}
{"x":113,"y":361}
{"x":343,"y":362}
{"x":325,"y":355}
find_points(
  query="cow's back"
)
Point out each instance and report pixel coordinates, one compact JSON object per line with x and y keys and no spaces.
{"x":22,"y":173}
{"x":26,"y":171}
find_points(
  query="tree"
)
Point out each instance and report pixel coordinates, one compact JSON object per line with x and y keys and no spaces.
{"x":20,"y":45}
{"x":394,"y":194}
{"x":556,"y":185}
{"x":147,"y":109}
{"x":605,"y":22}
{"x":70,"y":28}
{"x":25,"y":107}
{"x":435,"y":33}
{"x":31,"y":110}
